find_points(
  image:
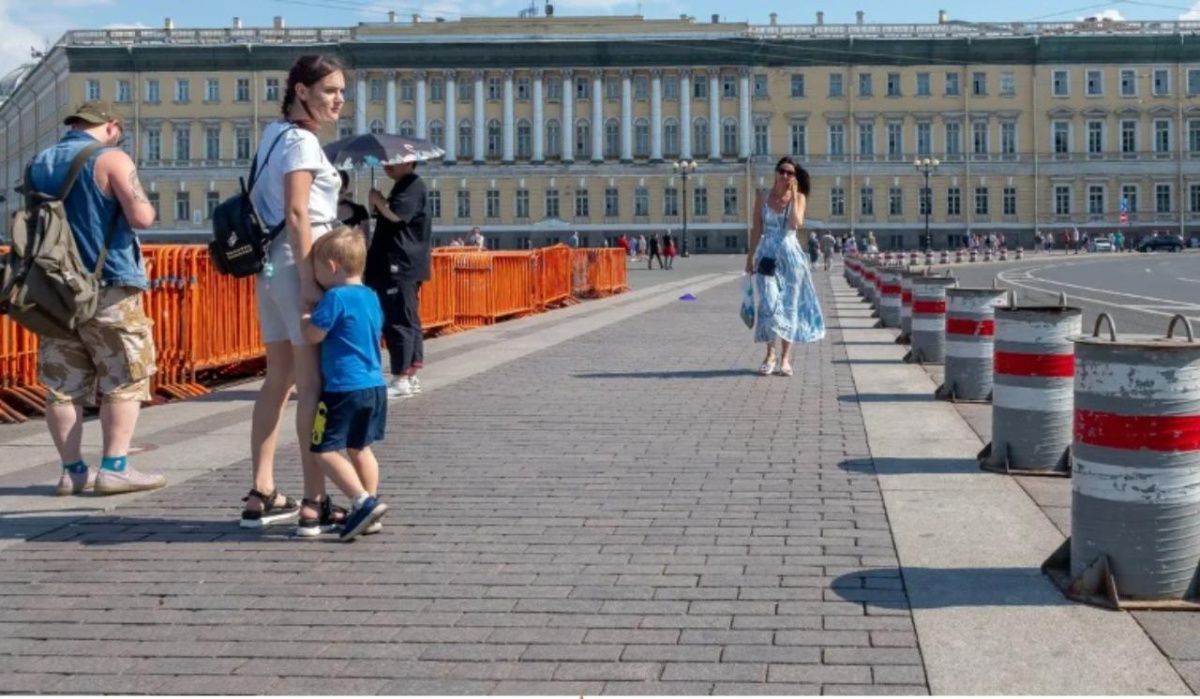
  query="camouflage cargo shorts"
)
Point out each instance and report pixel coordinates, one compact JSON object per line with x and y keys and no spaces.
{"x":112,"y":354}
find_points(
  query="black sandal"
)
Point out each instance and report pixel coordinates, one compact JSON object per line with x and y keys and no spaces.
{"x":330,"y":517}
{"x":270,"y":512}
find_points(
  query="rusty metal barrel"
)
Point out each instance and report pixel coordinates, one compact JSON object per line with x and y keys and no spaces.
{"x":1033,"y":389}
{"x":928,"y":335}
{"x":889,"y":298}
{"x":850,"y":271}
{"x":1135,"y":500}
{"x":970,"y":330}
{"x":906,"y":280}
{"x":867,"y":291}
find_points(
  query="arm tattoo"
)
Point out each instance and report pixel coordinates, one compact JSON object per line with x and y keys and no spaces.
{"x":135,"y":186}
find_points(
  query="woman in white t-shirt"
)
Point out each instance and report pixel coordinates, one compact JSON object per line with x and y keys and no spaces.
{"x":298,"y":187}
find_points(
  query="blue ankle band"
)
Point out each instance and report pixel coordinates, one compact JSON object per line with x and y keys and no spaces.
{"x":113,"y":463}
{"x":77,"y":467}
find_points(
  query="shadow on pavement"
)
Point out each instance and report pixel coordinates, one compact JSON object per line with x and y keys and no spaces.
{"x":898,"y":466}
{"x":890,"y":362}
{"x":887,"y":397}
{"x":92,"y":529}
{"x":942,"y":588}
{"x":687,"y":374}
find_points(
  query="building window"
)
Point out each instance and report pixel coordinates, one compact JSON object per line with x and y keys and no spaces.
{"x":729,"y":138}
{"x":463,"y":204}
{"x":979,"y":84}
{"x":437,"y":90}
{"x":211,"y":201}
{"x":553,"y":143}
{"x":641,"y":202}
{"x":376,"y":87}
{"x":1095,"y":137}
{"x":670,"y":85}
{"x":154,"y":201}
{"x":183,"y":143}
{"x":1060,"y":83}
{"x":837,"y":201}
{"x":583,"y":138}
{"x":641,"y":87}
{"x":152,"y":93}
{"x":699,"y":88}
{"x":730,"y":205}
{"x":1194,"y":198}
{"x":1129,"y":198}
{"x":864,"y":84}
{"x":494,"y":138}
{"x":671,"y":138}
{"x":241,"y":90}
{"x":521,"y":210}
{"x":641,"y":138}
{"x":1094,"y":82}
{"x":212,"y":143}
{"x":212,"y":90}
{"x":581,"y":203}
{"x":799,"y":134}
{"x":797,"y":84}
{"x":1128,"y":82}
{"x":760,"y":86}
{"x":183,"y":206}
{"x":524,"y":139}
{"x":1062,"y":137}
{"x":762,"y":137}
{"x":953,"y":201}
{"x":408,"y":90}
{"x":1008,"y":138}
{"x":837,"y":140}
{"x":491,"y":204}
{"x":836,"y":85}
{"x":893,"y":84}
{"x":1129,"y":137}
{"x":670,"y":202}
{"x":466,"y":140}
{"x":981,"y":201}
{"x":612,"y":87}
{"x":241,"y":137}
{"x":953,"y":139}
{"x":124,"y":91}
{"x":895,"y":201}
{"x":700,"y":201}
{"x":435,"y":203}
{"x":92,"y":92}
{"x":866,"y":140}
{"x":1008,"y":83}
{"x":951,"y":84}
{"x":437,"y":134}
{"x":1009,"y":201}
{"x":1162,"y":136}
{"x":376,"y":127}
{"x":926,"y":202}
{"x":1062,"y":200}
{"x":1096,"y":200}
{"x":895,"y":138}
{"x":979,"y":138}
{"x":729,"y":86}
{"x":924,"y":138}
{"x":612,"y":202}
{"x":407,"y":129}
{"x":923,"y":85}
{"x":612,"y":138}
{"x":466,"y":91}
{"x":700,"y":137}
{"x":554,"y":88}
{"x":866,"y":201}
{"x":494,"y":91}
{"x":1194,"y":136}
{"x":1162,"y":198}
{"x":583,"y":88}
{"x":1162,"y":82}
{"x":271,"y":91}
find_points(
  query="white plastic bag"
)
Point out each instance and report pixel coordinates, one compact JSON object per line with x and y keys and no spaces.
{"x":747,"y":309}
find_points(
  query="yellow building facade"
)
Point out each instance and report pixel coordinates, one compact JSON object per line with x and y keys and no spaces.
{"x":554,"y":125}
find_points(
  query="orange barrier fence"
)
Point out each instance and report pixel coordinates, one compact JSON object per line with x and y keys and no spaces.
{"x":206,"y":324}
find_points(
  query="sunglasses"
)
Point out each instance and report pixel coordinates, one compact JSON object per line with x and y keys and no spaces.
{"x":785,"y":171}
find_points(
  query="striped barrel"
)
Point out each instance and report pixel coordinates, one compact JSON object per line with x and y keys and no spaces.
{"x":958,"y":256}
{"x":1135,"y":494}
{"x":867,"y":290}
{"x":877,"y":288}
{"x":944,"y":257}
{"x":906,"y":281}
{"x":974,"y":256}
{"x":929,"y":319}
{"x":970,"y":331}
{"x":889,"y":298}
{"x":1033,"y":384}
{"x":928,"y":257}
{"x":850,"y":271}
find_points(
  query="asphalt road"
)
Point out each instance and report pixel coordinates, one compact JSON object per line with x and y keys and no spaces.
{"x":1140,"y":291}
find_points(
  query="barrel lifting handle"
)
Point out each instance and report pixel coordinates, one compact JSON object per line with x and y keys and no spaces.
{"x":1012,"y":298}
{"x":1187,"y":327}
{"x":1062,"y":298}
{"x":1112,"y":328}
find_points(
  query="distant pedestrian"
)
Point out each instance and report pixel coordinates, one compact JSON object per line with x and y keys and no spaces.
{"x":623,"y":243}
{"x":669,"y":250}
{"x":573,"y":241}
{"x":814,"y":249}
{"x":642,"y":249}
{"x":827,"y":246}
{"x":653,"y":252}
{"x":476,"y":239}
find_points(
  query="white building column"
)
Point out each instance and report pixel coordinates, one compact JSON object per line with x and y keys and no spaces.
{"x":361,"y":99}
{"x":451,"y":128}
{"x":539,"y":117}
{"x":390,"y":107}
{"x":656,"y":149}
{"x":597,"y":116}
{"x":626,"y":115}
{"x":480,"y":116}
{"x":509,"y":118}
{"x":422,"y":127}
{"x":745,"y":127}
{"x":568,"y":116}
{"x":685,"y":114}
{"x":714,"y":113}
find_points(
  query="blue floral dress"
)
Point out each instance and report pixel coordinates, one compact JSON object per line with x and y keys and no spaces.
{"x":788,"y":307}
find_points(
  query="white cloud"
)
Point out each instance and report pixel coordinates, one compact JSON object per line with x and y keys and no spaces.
{"x":126,"y":25}
{"x":1193,"y":13}
{"x":18,"y":34}
{"x":1113,"y":15}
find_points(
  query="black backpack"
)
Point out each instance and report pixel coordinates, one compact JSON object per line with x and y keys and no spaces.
{"x":240,"y":241}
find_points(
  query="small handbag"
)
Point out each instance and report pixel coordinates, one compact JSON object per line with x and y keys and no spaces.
{"x":766,"y":266}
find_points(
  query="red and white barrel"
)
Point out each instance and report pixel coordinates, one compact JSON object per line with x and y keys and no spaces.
{"x":987,"y":255}
{"x":1003,"y":254}
{"x":944,"y":257}
{"x":958,"y":256}
{"x":889,"y":298}
{"x":850,"y":271}
{"x":1136,"y":480}
{"x":970,"y":334}
{"x":1033,"y":389}
{"x":906,"y":306}
{"x":913,"y":258}
{"x":928,"y":257}
{"x":868,"y":288}
{"x":928,"y":334}
{"x":877,"y":291}
{"x":974,"y":256}
{"x":1020,"y":253}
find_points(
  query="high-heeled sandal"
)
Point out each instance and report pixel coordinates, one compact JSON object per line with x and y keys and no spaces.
{"x":785,"y":369}
{"x":767,"y":368}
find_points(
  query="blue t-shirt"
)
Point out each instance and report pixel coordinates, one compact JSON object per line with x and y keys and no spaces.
{"x":353,"y":322}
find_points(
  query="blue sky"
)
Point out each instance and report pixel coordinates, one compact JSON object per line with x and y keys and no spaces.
{"x":25,"y":23}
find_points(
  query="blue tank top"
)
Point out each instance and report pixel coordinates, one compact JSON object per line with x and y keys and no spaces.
{"x":90,"y":212}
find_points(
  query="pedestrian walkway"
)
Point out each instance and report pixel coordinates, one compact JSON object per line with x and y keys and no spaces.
{"x":601,"y":499}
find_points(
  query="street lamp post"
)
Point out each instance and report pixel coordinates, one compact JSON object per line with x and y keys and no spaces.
{"x":684,"y":168}
{"x":926,"y":166}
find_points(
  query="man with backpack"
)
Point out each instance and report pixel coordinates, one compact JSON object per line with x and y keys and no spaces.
{"x":111,"y":352}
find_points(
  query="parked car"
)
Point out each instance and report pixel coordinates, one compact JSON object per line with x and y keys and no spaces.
{"x":1100,"y":245}
{"x":1161,"y":241}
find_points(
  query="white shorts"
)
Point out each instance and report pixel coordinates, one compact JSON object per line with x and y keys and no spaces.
{"x":279,"y":303}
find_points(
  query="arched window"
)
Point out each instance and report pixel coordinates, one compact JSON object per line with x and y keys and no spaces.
{"x":729,"y":137}
{"x":583,"y":138}
{"x":437,"y":134}
{"x":494,"y":138}
{"x":553,"y":139}
{"x":612,"y":139}
{"x":524,"y":139}
{"x":641,"y":138}
{"x":466,"y":139}
{"x":700,"y":136}
{"x":345,"y":128}
{"x":376,"y":127}
{"x":671,"y":138}
{"x":407,"y":129}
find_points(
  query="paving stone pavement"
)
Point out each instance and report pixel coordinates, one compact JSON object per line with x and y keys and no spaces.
{"x":633,"y":511}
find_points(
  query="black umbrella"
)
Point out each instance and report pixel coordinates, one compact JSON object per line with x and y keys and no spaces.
{"x":380,"y":149}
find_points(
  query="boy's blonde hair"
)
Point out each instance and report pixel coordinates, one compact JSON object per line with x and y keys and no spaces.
{"x":346,"y":246}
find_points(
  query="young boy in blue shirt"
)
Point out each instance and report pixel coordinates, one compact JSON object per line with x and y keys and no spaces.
{"x":348,"y":323}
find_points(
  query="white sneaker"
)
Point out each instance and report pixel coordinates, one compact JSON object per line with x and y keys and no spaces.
{"x":400,"y":388}
{"x":415,"y":384}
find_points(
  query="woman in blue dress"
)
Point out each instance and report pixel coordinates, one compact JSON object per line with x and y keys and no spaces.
{"x":788,"y":309}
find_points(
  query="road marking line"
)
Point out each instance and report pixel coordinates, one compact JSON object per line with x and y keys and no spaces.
{"x":1112,"y":293}
{"x":1054,"y":292}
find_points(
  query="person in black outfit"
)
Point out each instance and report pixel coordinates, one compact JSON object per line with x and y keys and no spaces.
{"x":398,"y":261}
{"x":652,"y":242}
{"x":350,"y":212}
